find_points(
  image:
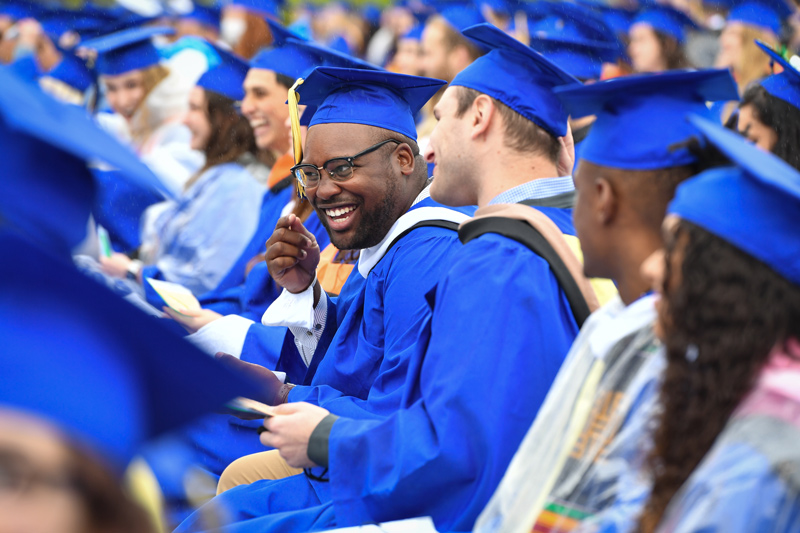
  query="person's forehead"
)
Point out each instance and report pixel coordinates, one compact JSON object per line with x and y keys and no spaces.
{"x":260,"y":77}
{"x":133,"y":75}
{"x":433,"y":34}
{"x":326,"y":141}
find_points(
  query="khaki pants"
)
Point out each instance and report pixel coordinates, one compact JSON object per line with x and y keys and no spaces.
{"x":252,"y":468}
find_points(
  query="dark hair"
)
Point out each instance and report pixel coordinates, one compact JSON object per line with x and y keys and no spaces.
{"x":231,"y":134}
{"x":522,"y":134}
{"x":672,"y":51}
{"x":286,"y":81}
{"x":108,"y":508}
{"x":780,"y":116}
{"x":721,"y":322}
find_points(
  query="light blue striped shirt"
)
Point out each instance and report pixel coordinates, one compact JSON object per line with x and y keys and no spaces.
{"x":538,"y":188}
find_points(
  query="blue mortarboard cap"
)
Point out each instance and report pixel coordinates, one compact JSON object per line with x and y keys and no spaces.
{"x":49,"y":198}
{"x":206,"y":14}
{"x":581,"y":58}
{"x":372,"y":14}
{"x":20,"y":10}
{"x":785,"y":85}
{"x":461,"y":16}
{"x":648,"y":112}
{"x":90,"y":21}
{"x":340,"y":44}
{"x":501,"y":7}
{"x":72,"y":71}
{"x":616,"y":18}
{"x":107,"y":374}
{"x":768,"y":14}
{"x":126,"y":50}
{"x":262,"y":7}
{"x":371,"y":97}
{"x":666,"y":20}
{"x":754,"y":206}
{"x":227,"y":78}
{"x":518,"y":76}
{"x":415,"y":33}
{"x":294,"y":57}
{"x":567,"y":20}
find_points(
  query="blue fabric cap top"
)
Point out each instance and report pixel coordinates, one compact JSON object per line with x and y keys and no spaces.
{"x":371,"y":97}
{"x":105,"y":373}
{"x":577,"y":40}
{"x":208,"y":15}
{"x":666,"y":20}
{"x":49,"y":198}
{"x":415,"y":33}
{"x":461,"y":16}
{"x":647,"y":111}
{"x":582,"y":59}
{"x":72,"y":71}
{"x":754,"y":206}
{"x":518,"y":76}
{"x":227,"y":78}
{"x":126,"y":50}
{"x":292,"y":56}
{"x":768,"y":14}
{"x":567,"y":20}
{"x":785,"y":85}
{"x":262,"y":7}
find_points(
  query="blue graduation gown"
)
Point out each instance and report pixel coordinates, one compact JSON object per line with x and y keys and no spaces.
{"x":118,"y":207}
{"x":197,"y":239}
{"x":499,"y":330}
{"x":225,"y":298}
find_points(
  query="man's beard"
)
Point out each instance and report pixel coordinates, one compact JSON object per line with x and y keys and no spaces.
{"x":373,"y":227}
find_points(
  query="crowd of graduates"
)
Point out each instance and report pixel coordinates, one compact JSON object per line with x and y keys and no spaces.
{"x":492,"y":266}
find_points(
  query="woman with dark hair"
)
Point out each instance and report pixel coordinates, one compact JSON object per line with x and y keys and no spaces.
{"x":725,"y":455}
{"x":657,"y":39}
{"x":197,"y":239}
{"x":769,"y":113}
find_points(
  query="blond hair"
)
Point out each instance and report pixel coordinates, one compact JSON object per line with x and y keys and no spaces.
{"x":141,"y":127}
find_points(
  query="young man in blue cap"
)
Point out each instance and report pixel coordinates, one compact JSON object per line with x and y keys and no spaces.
{"x":573,"y":460}
{"x":442,"y":452}
{"x":363,"y":173}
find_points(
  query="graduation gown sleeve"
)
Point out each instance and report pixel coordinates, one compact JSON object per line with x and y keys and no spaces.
{"x":363,"y":372}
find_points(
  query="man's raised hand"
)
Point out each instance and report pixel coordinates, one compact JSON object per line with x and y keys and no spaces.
{"x":292,"y":254}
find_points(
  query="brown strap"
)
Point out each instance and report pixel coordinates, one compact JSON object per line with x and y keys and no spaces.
{"x":552,"y":234}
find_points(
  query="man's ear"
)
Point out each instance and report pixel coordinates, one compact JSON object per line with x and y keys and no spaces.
{"x":405,"y":158}
{"x":483,"y":111}
{"x":607,"y":201}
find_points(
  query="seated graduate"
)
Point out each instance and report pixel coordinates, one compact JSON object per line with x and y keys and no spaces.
{"x":442,"y":452}
{"x":583,"y":441}
{"x":148,"y":100}
{"x":68,"y":385}
{"x":195,"y":239}
{"x":769,"y":113}
{"x":264,"y":106}
{"x":375,"y":199}
{"x":248,"y":289}
{"x":724,"y":455}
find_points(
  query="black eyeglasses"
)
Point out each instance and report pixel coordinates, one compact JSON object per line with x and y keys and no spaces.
{"x":339,"y":169}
